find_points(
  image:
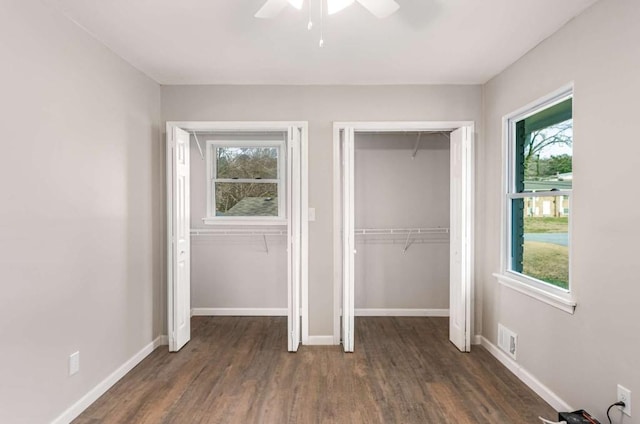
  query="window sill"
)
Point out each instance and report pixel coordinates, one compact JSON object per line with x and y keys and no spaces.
{"x":564,"y":302}
{"x":248,"y":221}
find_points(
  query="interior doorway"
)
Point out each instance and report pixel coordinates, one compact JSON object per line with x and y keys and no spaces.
{"x":348,"y":235}
{"x":256,"y":186}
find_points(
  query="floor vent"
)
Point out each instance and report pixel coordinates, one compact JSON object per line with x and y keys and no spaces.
{"x":507,"y":341}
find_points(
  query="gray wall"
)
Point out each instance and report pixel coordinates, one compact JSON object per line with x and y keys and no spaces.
{"x":394,"y":190}
{"x":232,"y":271}
{"x":82,"y":245}
{"x":81,"y":215}
{"x":580,"y":357}
{"x":321,"y":106}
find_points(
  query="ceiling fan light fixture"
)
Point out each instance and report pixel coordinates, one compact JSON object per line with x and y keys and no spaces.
{"x":380,"y":8}
{"x":296,"y":3}
{"x":334,"y":6}
{"x":271,"y":9}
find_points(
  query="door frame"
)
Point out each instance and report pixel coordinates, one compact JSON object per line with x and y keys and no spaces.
{"x":396,"y":126}
{"x":259,"y":126}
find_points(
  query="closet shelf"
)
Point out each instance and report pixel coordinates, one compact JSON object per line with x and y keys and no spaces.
{"x":236,"y":232}
{"x":400,"y":231}
{"x":409,"y":235}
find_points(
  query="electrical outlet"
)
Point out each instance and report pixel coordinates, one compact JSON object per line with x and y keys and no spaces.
{"x":624,"y":395}
{"x":74,"y":363}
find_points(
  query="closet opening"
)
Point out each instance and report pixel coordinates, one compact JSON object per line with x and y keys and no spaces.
{"x":237,"y":224}
{"x":403,"y":218}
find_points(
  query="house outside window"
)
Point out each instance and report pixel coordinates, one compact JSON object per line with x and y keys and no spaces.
{"x":245,"y":182}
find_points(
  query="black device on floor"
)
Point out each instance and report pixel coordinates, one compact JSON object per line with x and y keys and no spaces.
{"x":577,"y":417}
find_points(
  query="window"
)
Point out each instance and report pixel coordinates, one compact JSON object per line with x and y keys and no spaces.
{"x":538,"y":197}
{"x":244,"y":182}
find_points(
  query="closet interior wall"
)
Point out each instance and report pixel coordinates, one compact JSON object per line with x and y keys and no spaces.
{"x":398,"y":187}
{"x":233,"y":271}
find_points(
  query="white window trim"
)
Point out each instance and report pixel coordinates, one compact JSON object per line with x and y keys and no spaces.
{"x":211,"y":218}
{"x":529,"y":286}
{"x":536,"y":289}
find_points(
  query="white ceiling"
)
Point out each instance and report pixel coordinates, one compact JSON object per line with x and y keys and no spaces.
{"x":220,"y":42}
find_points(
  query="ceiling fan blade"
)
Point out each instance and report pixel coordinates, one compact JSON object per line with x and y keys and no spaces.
{"x":380,"y":8}
{"x":271,"y":9}
{"x":334,"y":6}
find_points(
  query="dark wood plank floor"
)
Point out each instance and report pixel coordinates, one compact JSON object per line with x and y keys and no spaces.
{"x":237,"y":370}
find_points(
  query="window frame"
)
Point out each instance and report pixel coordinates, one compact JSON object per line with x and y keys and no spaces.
{"x":546,"y":292}
{"x":211,"y":165}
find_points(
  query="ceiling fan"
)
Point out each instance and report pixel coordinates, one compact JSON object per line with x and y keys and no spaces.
{"x":379,"y":8}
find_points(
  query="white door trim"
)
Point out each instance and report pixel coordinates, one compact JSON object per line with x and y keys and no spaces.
{"x":178,"y":239}
{"x":348,"y":245}
{"x":262,"y":126}
{"x":391,"y":126}
{"x":461,"y":189}
{"x":293,"y":230}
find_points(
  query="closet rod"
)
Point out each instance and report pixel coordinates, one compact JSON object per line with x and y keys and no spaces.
{"x":236,"y":232}
{"x":412,"y":234}
{"x":245,"y":132}
{"x":401,"y":231}
{"x":402,"y":241}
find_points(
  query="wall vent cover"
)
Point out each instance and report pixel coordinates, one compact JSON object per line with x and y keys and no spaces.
{"x":507,"y":341}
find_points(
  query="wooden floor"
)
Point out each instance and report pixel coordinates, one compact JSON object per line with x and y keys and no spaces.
{"x":237,"y":370}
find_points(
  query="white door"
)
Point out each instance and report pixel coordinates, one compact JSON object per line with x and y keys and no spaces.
{"x":348,"y":239}
{"x":294,"y":223}
{"x":179,"y":279}
{"x":460,"y":253}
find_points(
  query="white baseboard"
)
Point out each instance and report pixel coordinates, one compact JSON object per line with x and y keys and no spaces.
{"x":526,"y":377}
{"x":320,"y":341}
{"x":372,"y":312}
{"x":239,"y":312}
{"x":476,"y":340}
{"x":85,"y":401}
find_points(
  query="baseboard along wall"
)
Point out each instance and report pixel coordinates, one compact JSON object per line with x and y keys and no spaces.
{"x":526,"y":377}
{"x":239,"y":312}
{"x":320,"y":341}
{"x":85,"y":401}
{"x":381,"y":312}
